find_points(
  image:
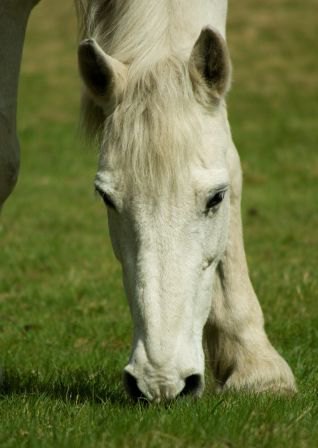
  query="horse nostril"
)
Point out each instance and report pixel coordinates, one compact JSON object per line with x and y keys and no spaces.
{"x":193,"y":385}
{"x":132,"y":387}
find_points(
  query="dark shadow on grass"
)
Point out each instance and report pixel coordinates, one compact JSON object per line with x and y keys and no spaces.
{"x":78,"y":386}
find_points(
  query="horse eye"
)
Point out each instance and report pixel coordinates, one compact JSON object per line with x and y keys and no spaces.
{"x":215,"y":200}
{"x":107,"y":201}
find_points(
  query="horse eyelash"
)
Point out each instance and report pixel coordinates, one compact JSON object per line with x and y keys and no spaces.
{"x":213,"y":206}
{"x":107,"y":201}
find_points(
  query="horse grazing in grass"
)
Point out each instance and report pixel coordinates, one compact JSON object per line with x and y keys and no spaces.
{"x":156,"y":74}
{"x":155,"y":77}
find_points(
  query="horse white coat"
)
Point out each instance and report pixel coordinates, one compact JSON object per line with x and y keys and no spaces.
{"x":156,"y":75}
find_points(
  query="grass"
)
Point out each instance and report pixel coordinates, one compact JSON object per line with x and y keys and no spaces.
{"x":64,"y":324}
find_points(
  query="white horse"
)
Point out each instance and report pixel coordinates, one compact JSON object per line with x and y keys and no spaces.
{"x":156,"y":74}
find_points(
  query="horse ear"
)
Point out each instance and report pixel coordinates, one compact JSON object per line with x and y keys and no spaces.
{"x":104,"y":77}
{"x":210,"y":65}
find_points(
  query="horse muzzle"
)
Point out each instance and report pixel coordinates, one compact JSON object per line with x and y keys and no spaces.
{"x":159,"y":387}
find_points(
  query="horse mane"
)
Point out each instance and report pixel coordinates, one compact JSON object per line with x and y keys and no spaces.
{"x":154,"y":129}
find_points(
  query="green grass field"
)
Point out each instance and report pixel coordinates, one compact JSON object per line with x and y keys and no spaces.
{"x":64,"y":324}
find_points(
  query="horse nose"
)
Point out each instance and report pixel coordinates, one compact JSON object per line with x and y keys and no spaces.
{"x":193,"y":386}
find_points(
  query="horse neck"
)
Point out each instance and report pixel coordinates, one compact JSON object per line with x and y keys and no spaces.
{"x":152,"y":29}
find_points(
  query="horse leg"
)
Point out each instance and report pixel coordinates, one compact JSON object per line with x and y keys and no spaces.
{"x":14,"y":16}
{"x":240,"y":353}
{"x":9,"y":157}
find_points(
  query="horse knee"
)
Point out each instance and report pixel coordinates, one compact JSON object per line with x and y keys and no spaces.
{"x":9,"y":169}
{"x":8,"y":178}
{"x":9,"y":156}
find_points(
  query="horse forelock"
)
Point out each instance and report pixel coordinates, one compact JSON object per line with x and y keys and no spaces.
{"x":154,"y":132}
